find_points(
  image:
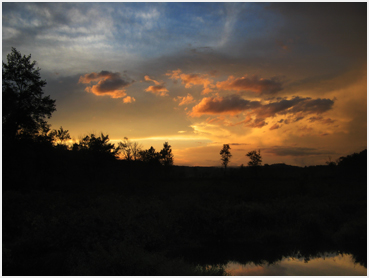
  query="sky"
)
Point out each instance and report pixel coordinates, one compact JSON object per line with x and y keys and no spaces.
{"x":289,"y":79}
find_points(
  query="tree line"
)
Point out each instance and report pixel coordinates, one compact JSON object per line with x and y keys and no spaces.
{"x":26,"y":110}
{"x":255,"y":157}
{"x":356,"y":162}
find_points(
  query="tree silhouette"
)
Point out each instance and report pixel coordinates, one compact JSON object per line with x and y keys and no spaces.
{"x":130,"y":150}
{"x":60,"y":136}
{"x":96,"y":145}
{"x":255,"y":158}
{"x":166,"y":155}
{"x":225,"y":155}
{"x":150,"y":156}
{"x":24,"y":106}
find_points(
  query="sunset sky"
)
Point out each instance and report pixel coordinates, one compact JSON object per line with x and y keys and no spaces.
{"x":289,"y":79}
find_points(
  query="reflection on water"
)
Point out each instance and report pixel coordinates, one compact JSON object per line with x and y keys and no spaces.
{"x":329,"y":264}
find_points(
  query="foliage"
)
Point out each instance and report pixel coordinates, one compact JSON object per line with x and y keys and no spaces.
{"x":255,"y":158}
{"x":354,"y":160}
{"x":166,"y":155}
{"x":332,"y":163}
{"x":150,"y":156}
{"x":59,"y":136}
{"x":24,"y":106}
{"x":96,"y":145}
{"x":225,"y":155}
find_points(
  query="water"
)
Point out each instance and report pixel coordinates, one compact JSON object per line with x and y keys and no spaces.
{"x":331,"y":264}
{"x":280,"y":260}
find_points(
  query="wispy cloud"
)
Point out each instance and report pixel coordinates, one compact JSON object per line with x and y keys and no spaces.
{"x":157,"y":89}
{"x":275,"y":126}
{"x":253,"y":83}
{"x":184,"y":100}
{"x":193,"y":79}
{"x":321,"y":120}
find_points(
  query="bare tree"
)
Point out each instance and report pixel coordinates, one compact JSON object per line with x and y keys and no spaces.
{"x":136,"y":148}
{"x":130,"y":150}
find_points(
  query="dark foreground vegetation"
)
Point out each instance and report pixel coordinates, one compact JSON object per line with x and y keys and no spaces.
{"x":67,"y":214}
{"x":78,"y":210}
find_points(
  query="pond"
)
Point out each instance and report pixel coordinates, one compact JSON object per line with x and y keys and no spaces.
{"x":280,"y":260}
{"x":331,"y":264}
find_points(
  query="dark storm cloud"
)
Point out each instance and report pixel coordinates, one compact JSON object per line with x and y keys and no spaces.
{"x":295,"y":151}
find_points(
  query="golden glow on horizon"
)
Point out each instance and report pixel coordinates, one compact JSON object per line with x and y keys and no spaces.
{"x":167,"y":138}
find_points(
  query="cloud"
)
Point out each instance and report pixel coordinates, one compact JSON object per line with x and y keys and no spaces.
{"x":234,"y":104}
{"x":322,"y":120}
{"x":295,"y":151}
{"x":88,"y":78}
{"x":193,"y":79}
{"x":257,"y":123}
{"x":157,"y":89}
{"x":129,"y":99}
{"x":275,"y":126}
{"x":256,"y":112}
{"x":223,"y":105}
{"x":108,"y":83}
{"x":297,"y":106}
{"x":254,"y":83}
{"x":238,"y":144}
{"x":185,"y":100}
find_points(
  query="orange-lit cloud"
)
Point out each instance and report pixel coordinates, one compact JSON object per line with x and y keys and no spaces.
{"x":254,"y":83}
{"x":157,"y":89}
{"x":321,"y":120}
{"x":295,"y":109}
{"x":193,"y":79}
{"x":230,"y":105}
{"x":108,"y":83}
{"x":129,"y":99}
{"x":185,"y":100}
{"x":275,"y":126}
